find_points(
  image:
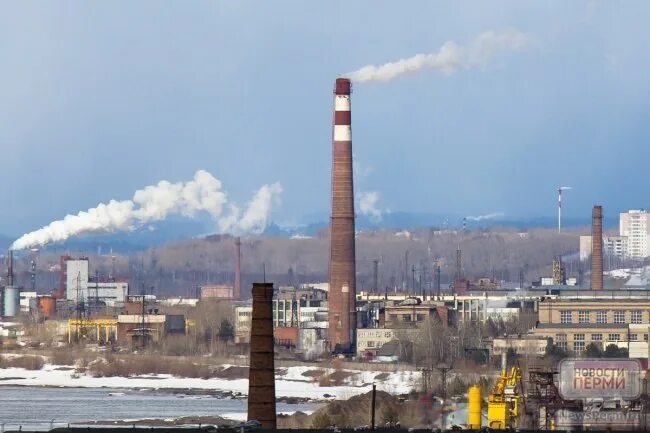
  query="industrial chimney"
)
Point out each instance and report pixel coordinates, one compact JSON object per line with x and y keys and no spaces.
{"x":237,"y":287}
{"x":342,"y":290}
{"x":597,"y":248}
{"x":10,"y":268}
{"x":261,"y":373}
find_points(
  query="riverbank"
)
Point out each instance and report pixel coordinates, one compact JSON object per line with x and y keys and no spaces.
{"x":311,"y":383}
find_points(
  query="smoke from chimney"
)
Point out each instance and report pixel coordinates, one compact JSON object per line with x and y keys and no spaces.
{"x":156,"y":202}
{"x":448,"y":59}
{"x":597,"y":248}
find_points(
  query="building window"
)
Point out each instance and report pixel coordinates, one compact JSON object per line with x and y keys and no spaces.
{"x":614,"y":337}
{"x":406,"y":317}
{"x":634,"y":337}
{"x":579,"y":337}
{"x":596,"y":337}
{"x":583,"y":316}
{"x":619,"y":316}
{"x":566,"y":316}
{"x":560,"y":341}
{"x":601,"y":316}
{"x":387,"y":334}
{"x":636,"y":317}
{"x":645,"y":337}
{"x":371,"y":344}
{"x":578,"y":346}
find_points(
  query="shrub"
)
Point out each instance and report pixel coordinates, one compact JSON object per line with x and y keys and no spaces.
{"x":63,"y":357}
{"x":321,"y":420}
{"x":28,"y":362}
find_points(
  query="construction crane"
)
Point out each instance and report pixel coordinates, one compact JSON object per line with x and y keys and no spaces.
{"x":505,"y":402}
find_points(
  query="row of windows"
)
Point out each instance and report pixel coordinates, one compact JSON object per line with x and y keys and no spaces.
{"x":602,"y":316}
{"x":598,"y":337}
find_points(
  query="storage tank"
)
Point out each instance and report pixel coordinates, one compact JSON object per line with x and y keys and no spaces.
{"x":46,"y":306}
{"x":11,"y":301}
{"x":474,"y":407}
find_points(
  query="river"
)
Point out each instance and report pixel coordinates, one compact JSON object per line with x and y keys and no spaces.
{"x":36,"y":408}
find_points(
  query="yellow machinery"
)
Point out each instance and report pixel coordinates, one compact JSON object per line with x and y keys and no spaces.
{"x":82,"y":328}
{"x":505,"y":400}
{"x":474,"y":407}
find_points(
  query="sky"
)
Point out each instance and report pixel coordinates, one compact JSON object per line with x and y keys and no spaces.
{"x":98,"y":99}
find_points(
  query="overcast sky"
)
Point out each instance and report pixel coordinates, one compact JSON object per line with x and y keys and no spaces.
{"x":98,"y":99}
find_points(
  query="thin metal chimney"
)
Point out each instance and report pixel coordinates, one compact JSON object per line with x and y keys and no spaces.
{"x":342,"y":267}
{"x":261,"y":373}
{"x":10,"y":268}
{"x":237,"y":287}
{"x":597,"y":248}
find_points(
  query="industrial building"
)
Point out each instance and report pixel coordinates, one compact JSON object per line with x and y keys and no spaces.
{"x":613,"y":317}
{"x":79,"y":286}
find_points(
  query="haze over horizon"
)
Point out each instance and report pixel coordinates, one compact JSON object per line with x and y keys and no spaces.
{"x":101,"y":99}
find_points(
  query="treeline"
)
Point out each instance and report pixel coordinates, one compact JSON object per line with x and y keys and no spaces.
{"x":405,"y":260}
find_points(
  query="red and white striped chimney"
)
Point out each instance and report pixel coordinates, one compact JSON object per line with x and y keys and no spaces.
{"x":342,"y":271}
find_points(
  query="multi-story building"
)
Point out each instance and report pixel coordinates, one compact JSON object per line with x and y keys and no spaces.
{"x":243,"y":320}
{"x":620,"y":319}
{"x":635,"y":225}
{"x":616,"y":246}
{"x":370,"y":340}
{"x":79,"y":286}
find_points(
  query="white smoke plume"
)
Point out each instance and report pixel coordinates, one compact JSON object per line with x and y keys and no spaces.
{"x":156,"y":202}
{"x":368,"y":205}
{"x":448,"y":59}
{"x":484,"y":217}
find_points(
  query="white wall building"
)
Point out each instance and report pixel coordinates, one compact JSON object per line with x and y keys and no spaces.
{"x":616,"y":246}
{"x":635,"y":225}
{"x":80,"y":288}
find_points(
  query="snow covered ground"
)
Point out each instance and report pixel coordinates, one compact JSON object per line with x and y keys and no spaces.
{"x":292,"y":383}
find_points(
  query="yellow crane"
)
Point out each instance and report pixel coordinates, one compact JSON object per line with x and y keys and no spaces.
{"x":505,"y":402}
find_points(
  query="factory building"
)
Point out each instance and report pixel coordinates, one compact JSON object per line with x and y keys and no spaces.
{"x":621,"y":318}
{"x":79,"y":286}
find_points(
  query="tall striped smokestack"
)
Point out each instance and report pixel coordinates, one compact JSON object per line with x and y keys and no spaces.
{"x":597,"y":248}
{"x":342,"y":295}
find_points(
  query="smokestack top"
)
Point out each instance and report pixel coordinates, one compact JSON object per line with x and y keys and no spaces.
{"x":342,"y":86}
{"x":597,"y":211}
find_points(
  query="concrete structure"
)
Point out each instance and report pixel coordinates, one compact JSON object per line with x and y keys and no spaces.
{"x":11,"y":301}
{"x":525,"y":345}
{"x":411,"y":314}
{"x":216,"y":291}
{"x":243,"y":319}
{"x":298,"y":307}
{"x":27,"y":301}
{"x":635,"y":225}
{"x":79,"y":286}
{"x":261,"y":376}
{"x":342,"y":273}
{"x":370,"y":340}
{"x":597,"y":248}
